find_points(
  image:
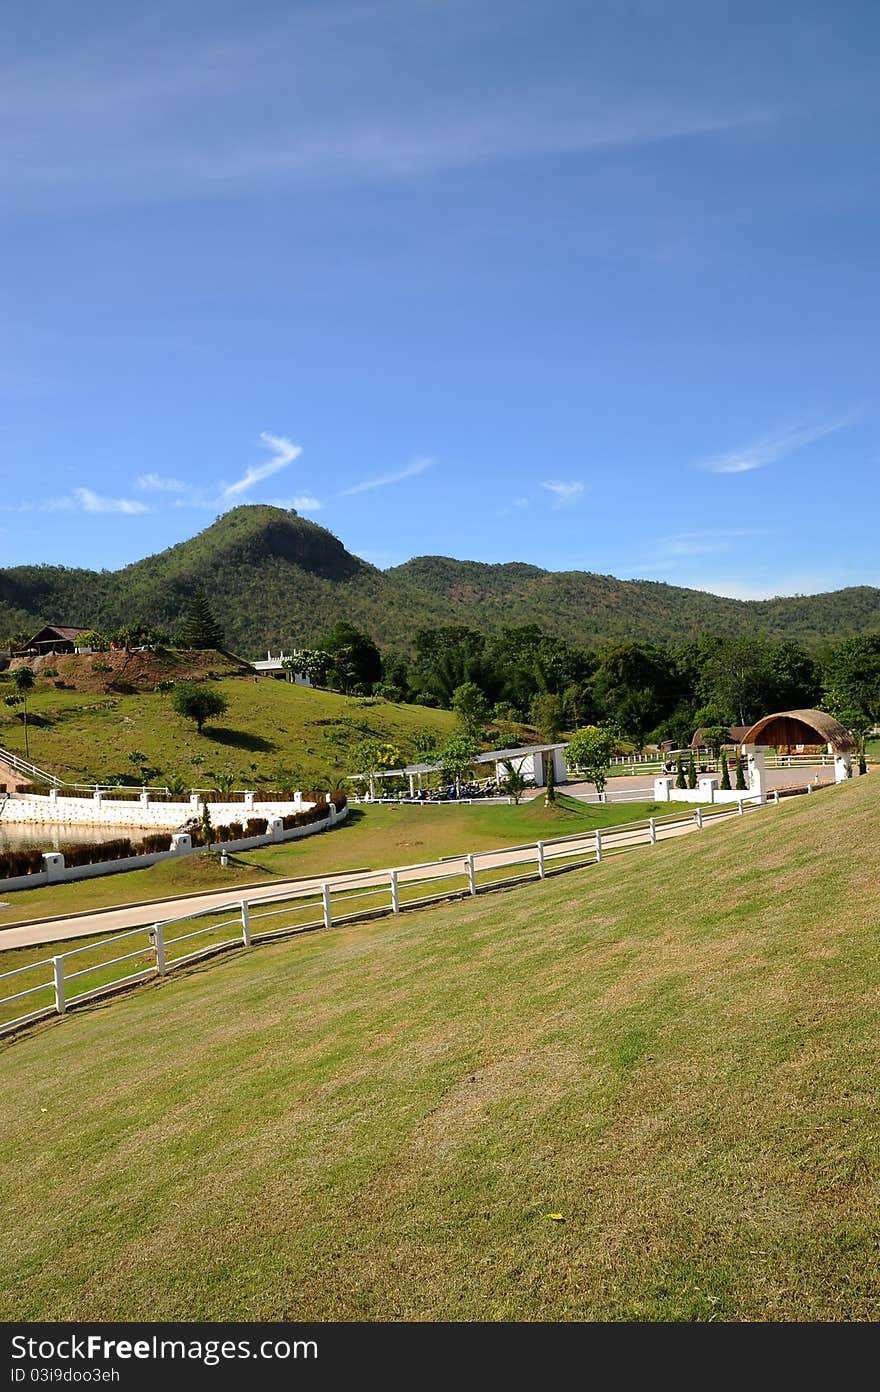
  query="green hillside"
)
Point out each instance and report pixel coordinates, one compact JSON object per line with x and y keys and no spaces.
{"x":276,"y":578}
{"x":611,"y":1096}
{"x":271,"y":728}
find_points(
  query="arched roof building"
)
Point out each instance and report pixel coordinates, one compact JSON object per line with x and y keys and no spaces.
{"x":787,"y":729}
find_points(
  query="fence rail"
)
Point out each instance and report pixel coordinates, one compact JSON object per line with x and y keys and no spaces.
{"x":244,"y":923}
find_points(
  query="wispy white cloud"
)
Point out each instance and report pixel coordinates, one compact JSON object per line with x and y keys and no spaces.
{"x":701,"y":543}
{"x":154,"y":483}
{"x":305,"y":503}
{"x":565,"y":494}
{"x":132,"y":116}
{"x":285,"y":451}
{"x":82,"y":500}
{"x":771,"y":448}
{"x":418,"y":466}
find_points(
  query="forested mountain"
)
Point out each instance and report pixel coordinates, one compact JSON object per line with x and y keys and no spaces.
{"x":275,"y":578}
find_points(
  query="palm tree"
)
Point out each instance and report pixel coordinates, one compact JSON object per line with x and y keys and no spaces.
{"x":24,"y":681}
{"x":514,"y":780}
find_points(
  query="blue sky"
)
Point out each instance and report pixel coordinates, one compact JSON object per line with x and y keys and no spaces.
{"x":591,"y":285}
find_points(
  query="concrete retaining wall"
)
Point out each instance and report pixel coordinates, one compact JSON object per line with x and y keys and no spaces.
{"x":55,"y":871}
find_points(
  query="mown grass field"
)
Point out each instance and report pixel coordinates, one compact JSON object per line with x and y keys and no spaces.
{"x":371,"y":838}
{"x":271,"y":727}
{"x":676,"y":1052}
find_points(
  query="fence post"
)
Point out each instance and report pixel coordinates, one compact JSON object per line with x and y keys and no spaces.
{"x":742,"y":810}
{"x":652,"y":831}
{"x":776,"y":796}
{"x":540,"y":860}
{"x":598,"y":846}
{"x":159,"y":945}
{"x":395,"y":894}
{"x":698,"y":818}
{"x":245,"y":923}
{"x":325,"y":897}
{"x":471,"y":873}
{"x":58,"y":971}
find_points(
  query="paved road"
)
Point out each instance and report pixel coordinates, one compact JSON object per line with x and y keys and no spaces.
{"x":134,"y":916}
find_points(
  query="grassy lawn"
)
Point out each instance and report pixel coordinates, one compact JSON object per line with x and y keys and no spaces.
{"x":270,"y":726}
{"x":377,"y":1123}
{"x":372,"y":837}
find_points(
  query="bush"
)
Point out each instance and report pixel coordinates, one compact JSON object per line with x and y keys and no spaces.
{"x":77,"y":854}
{"x":155,"y":842}
{"x":234,"y":831}
{"x":257,"y":826}
{"x":339,"y":801}
{"x":307,"y":818}
{"x":26,"y":861}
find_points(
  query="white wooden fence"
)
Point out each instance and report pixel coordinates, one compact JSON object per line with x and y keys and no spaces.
{"x":53,"y":985}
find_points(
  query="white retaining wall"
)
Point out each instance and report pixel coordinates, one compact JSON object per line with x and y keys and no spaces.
{"x":55,"y":872}
{"x":55,"y":810}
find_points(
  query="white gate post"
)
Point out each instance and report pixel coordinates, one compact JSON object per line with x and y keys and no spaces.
{"x":245,"y":923}
{"x":776,"y":796}
{"x":742,"y":810}
{"x":598,"y":845}
{"x":540,"y":860}
{"x":395,"y":893}
{"x":652,"y":831}
{"x":698,"y":818}
{"x":325,"y":897}
{"x":58,"y":972}
{"x":471,"y":873}
{"x":159,"y":944}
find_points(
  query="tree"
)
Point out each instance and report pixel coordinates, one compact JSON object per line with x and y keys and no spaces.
{"x":852,"y":684}
{"x":200,"y":628}
{"x":550,"y":794}
{"x":457,"y":755}
{"x":740,"y":784}
{"x":738,"y":677}
{"x":355,"y":661}
{"x":197,"y":702}
{"x":589,"y":754}
{"x":714,"y":736}
{"x":725,"y":774}
{"x":548,"y":715}
{"x":471,"y":707}
{"x":692,"y":772}
{"x":24,"y":681}
{"x":635,"y":685}
{"x":680,"y":780}
{"x":514,"y":780}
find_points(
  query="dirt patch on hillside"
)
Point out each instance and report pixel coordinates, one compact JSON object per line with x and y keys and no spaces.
{"x":125,"y":673}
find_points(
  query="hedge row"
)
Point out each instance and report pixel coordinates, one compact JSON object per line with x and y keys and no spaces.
{"x":319,"y":813}
{"x":30,"y":861}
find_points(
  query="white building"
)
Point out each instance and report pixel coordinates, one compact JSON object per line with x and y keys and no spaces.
{"x":274,"y":667}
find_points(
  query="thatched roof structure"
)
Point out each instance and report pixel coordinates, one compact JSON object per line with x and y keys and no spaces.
{"x":786,"y":729}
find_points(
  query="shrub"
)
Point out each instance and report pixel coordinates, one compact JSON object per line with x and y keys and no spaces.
{"x":234,"y":831}
{"x":740,"y":784}
{"x":339,"y":801}
{"x":725,"y":774}
{"x":23,"y":861}
{"x":156,"y":841}
{"x":77,"y":854}
{"x":680,"y":781}
{"x":320,"y":813}
{"x":49,"y":672}
{"x":257,"y":826}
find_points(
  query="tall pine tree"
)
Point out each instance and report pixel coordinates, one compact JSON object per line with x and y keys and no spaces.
{"x":200,"y":628}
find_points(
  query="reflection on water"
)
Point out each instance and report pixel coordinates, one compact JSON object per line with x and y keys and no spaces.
{"x":50,"y":838}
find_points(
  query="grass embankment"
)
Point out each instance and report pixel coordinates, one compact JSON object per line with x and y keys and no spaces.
{"x":270,"y":727}
{"x":371,"y":838}
{"x":378,"y":1122}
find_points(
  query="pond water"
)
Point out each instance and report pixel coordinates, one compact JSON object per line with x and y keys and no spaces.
{"x":14,"y":836}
